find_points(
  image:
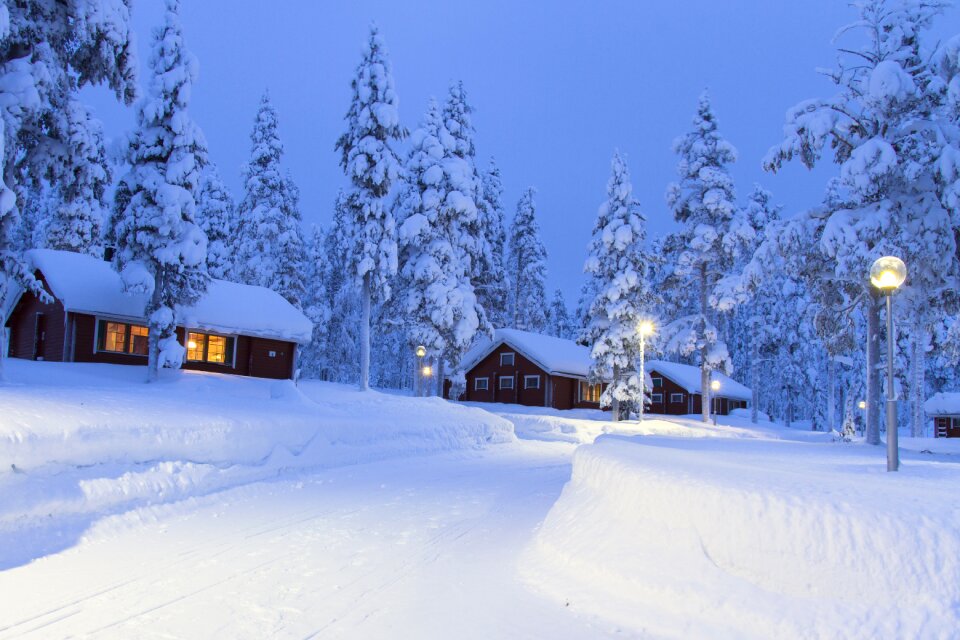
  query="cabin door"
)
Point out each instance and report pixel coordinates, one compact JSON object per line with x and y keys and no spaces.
{"x":39,"y":336}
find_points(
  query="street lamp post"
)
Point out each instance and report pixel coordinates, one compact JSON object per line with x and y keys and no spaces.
{"x":887,"y":274}
{"x":420,"y":351}
{"x":714,"y":387}
{"x":426,"y":372}
{"x":645,"y":328}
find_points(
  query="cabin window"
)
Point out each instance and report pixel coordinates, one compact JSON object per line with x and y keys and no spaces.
{"x":590,"y":392}
{"x":531,"y":382}
{"x":207,"y":347}
{"x":656,"y":398}
{"x":481,"y":384}
{"x":506,"y":360}
{"x":121,"y":337}
{"x":676,"y":398}
{"x":506,"y":382}
{"x":657,"y":382}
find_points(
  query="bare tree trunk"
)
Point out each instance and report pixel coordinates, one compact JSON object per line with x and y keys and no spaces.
{"x":917,"y":382}
{"x":704,"y":366}
{"x":873,"y":372}
{"x":3,"y":350}
{"x":614,"y":402}
{"x":365,"y":334}
{"x":154,"y":330}
{"x":754,"y":378}
{"x":832,"y":395}
{"x":441,"y":361}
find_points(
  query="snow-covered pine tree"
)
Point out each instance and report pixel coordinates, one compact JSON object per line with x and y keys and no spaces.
{"x":492,"y":286}
{"x":370,"y":162}
{"x":49,"y":50}
{"x":713,"y":234}
{"x":893,"y":140}
{"x":437,"y":224}
{"x":527,"y":268}
{"x":82,"y":178}
{"x":161,"y":251}
{"x":217,"y":218}
{"x":561,"y":325}
{"x":342,"y":344}
{"x":616,"y":264}
{"x":270,"y":250}
{"x":315,"y":304}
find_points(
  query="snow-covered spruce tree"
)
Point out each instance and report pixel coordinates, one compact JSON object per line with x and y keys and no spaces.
{"x":82,"y":178}
{"x":712,"y":236}
{"x":270,"y":250}
{"x":527,"y":268}
{"x":493,"y":288}
{"x":161,"y":251}
{"x":616,"y":264}
{"x":217,"y":218}
{"x":895,"y":145}
{"x":342,"y":339}
{"x":561,"y":324}
{"x":316,"y":304}
{"x":49,"y":50}
{"x":370,"y":162}
{"x":438,"y":218}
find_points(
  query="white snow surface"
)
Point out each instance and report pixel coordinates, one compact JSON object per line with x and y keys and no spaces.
{"x":945,"y":403}
{"x":88,"y":285}
{"x":757,"y":537}
{"x":688,"y":377}
{"x":553,"y":355}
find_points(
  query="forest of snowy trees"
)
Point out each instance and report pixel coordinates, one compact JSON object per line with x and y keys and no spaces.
{"x":420,"y":249}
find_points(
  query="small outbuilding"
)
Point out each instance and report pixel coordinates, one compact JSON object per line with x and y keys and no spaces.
{"x":234,"y":328}
{"x":676,"y":390}
{"x":944,"y":409}
{"x":520,"y":367}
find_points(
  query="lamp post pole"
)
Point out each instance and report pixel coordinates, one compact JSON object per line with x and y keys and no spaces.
{"x":714,"y":387}
{"x":418,"y":376}
{"x":893,"y":445}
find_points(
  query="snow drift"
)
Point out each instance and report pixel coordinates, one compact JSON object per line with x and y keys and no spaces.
{"x":708,"y":537}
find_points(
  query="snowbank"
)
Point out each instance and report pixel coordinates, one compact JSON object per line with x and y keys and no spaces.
{"x":79,"y":439}
{"x":708,"y":537}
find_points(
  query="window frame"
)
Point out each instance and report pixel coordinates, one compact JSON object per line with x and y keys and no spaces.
{"x":656,"y":398}
{"x":500,"y":383}
{"x":230,"y":348}
{"x":590,"y":387}
{"x":676,"y":395}
{"x":100,"y":337}
{"x":527,"y":378}
{"x":486,"y":384}
{"x":657,"y":382}
{"x":513,"y":358}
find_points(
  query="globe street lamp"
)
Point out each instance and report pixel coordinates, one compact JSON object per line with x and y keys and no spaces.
{"x":887,"y":274}
{"x":714,"y":387}
{"x":645,"y":328}
{"x":420,"y":351}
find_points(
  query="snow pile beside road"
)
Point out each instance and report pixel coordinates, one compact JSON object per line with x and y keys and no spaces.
{"x":708,"y":537}
{"x":79,"y":440}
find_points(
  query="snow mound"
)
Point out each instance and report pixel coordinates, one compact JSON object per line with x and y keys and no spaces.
{"x":708,"y":537}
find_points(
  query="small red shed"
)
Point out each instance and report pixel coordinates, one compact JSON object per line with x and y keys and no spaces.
{"x":676,"y":390}
{"x":944,"y":409}
{"x":234,"y":328}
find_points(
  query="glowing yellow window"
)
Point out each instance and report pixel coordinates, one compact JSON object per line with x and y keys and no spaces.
{"x":139,"y":337}
{"x":216,"y":349}
{"x":114,"y":336}
{"x":203,"y":347}
{"x":195,"y":344}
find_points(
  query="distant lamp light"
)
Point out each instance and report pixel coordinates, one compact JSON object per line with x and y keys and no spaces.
{"x":427,"y":371}
{"x":888,"y":273}
{"x":191,"y":345}
{"x":862,"y":404}
{"x":715,"y":385}
{"x":421,"y":351}
{"x":645,"y":328}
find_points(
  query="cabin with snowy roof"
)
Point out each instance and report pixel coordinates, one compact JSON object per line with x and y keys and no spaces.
{"x":234,"y":328}
{"x":676,"y":390}
{"x":520,"y":367}
{"x":944,"y":409}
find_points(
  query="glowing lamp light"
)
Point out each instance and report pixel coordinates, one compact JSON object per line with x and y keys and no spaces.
{"x":888,"y":273}
{"x":427,"y":371}
{"x":645,"y":328}
{"x":421,"y":351}
{"x":715,"y":385}
{"x":862,"y":404}
{"x":191,"y":344}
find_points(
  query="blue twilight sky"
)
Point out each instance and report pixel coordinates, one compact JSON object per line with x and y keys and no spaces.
{"x":556,"y":87}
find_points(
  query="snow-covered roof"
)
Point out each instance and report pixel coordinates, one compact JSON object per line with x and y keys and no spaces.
{"x":688,"y":377}
{"x":85,"y":284}
{"x":945,"y":403}
{"x":556,"y":356}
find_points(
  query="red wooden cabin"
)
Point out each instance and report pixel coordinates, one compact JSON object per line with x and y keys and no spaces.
{"x":676,"y":390}
{"x":944,"y":409}
{"x":233,"y":328}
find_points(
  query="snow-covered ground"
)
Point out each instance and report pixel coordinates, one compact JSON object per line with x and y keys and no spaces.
{"x":214,"y":506}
